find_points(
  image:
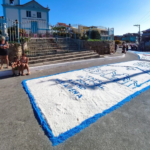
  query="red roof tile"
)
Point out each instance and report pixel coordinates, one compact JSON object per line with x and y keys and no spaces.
{"x":63,"y":24}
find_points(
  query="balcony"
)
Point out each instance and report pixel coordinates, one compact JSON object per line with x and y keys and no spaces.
{"x":104,"y":35}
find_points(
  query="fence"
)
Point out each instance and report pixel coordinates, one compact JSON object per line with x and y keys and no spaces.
{"x":9,"y":29}
{"x":15,"y":31}
{"x":61,"y":39}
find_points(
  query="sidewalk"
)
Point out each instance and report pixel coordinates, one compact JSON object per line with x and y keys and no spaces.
{"x":41,"y":66}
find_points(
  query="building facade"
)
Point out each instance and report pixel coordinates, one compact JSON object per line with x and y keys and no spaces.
{"x":118,"y":37}
{"x":31,"y":16}
{"x":146,"y":36}
{"x":106,"y":33}
{"x":130,"y":37}
{"x":145,"y":42}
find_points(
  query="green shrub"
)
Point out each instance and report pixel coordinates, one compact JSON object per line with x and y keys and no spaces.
{"x":117,"y":42}
{"x":85,"y":38}
{"x":94,"y":34}
{"x":93,"y":40}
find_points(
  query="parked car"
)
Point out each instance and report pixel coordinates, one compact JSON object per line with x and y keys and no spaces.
{"x":134,"y":47}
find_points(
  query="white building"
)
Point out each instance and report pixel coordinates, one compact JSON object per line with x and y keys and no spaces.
{"x":32,"y":16}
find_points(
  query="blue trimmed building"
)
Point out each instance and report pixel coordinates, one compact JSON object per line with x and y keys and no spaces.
{"x":130,"y":37}
{"x":32,"y":16}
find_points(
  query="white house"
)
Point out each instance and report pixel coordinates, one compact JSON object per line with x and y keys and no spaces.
{"x":32,"y":16}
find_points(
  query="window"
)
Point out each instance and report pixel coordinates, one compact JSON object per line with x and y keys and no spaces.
{"x":38,"y":14}
{"x":28,"y":13}
{"x":11,"y":2}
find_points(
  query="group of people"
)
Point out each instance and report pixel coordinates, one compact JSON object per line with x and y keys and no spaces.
{"x":125,"y":48}
{"x":20,"y":65}
{"x":17,"y":64}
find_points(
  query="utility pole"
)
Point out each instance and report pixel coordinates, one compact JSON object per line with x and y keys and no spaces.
{"x":138,"y":25}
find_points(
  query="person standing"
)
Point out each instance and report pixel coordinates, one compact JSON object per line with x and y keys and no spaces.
{"x":4,"y":52}
{"x":127,"y":48}
{"x":116,"y":47}
{"x":124,"y":49}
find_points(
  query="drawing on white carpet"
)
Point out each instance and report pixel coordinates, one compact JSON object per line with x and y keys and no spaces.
{"x":68,"y":102}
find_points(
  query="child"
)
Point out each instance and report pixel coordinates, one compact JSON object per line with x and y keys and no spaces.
{"x":24,"y":64}
{"x":15,"y":65}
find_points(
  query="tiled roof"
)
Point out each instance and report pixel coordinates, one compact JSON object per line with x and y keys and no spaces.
{"x":31,"y":2}
{"x":63,"y":24}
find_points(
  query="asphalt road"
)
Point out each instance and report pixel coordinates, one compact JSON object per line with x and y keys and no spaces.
{"x":127,"y":128}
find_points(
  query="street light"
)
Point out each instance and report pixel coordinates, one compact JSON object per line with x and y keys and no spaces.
{"x":137,"y":25}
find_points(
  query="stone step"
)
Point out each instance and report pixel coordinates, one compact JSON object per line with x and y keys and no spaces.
{"x":41,"y":40}
{"x":48,"y":43}
{"x":67,"y":44}
{"x":49,"y":52}
{"x":62,"y":54}
{"x":54,"y":39}
{"x":43,"y":51}
{"x":42,"y":47}
{"x":64,"y":58}
{"x":37,"y":45}
{"x":51,"y":47}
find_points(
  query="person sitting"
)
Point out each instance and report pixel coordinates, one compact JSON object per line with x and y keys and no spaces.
{"x":15,"y":66}
{"x":24,"y":64}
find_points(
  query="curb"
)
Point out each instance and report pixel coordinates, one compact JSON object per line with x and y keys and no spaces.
{"x":50,"y":66}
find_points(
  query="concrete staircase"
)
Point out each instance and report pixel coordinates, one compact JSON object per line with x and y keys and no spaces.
{"x":47,"y":51}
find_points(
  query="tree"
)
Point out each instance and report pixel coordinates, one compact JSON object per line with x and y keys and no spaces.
{"x":94,"y":34}
{"x":117,"y":42}
{"x":59,"y":28}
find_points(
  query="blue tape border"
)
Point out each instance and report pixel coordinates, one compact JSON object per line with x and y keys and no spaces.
{"x":64,"y":136}
{"x":137,"y":53}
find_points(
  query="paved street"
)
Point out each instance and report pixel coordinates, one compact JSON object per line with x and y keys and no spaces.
{"x":127,"y":128}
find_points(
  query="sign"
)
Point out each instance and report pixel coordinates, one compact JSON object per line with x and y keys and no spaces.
{"x":32,"y":18}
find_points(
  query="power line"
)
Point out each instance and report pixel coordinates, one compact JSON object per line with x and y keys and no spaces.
{"x":144,"y":16}
{"x":146,"y":20}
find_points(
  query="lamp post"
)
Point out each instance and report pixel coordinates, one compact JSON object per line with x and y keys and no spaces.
{"x":139,"y":32}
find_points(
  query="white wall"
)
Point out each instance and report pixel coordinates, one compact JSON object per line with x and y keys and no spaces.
{"x":26,"y":21}
{"x":11,"y":14}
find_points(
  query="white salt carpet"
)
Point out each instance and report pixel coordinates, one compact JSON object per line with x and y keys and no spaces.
{"x":67,"y":99}
{"x":142,"y":55}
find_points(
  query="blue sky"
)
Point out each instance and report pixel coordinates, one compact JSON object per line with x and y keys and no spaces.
{"x":120,"y":14}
